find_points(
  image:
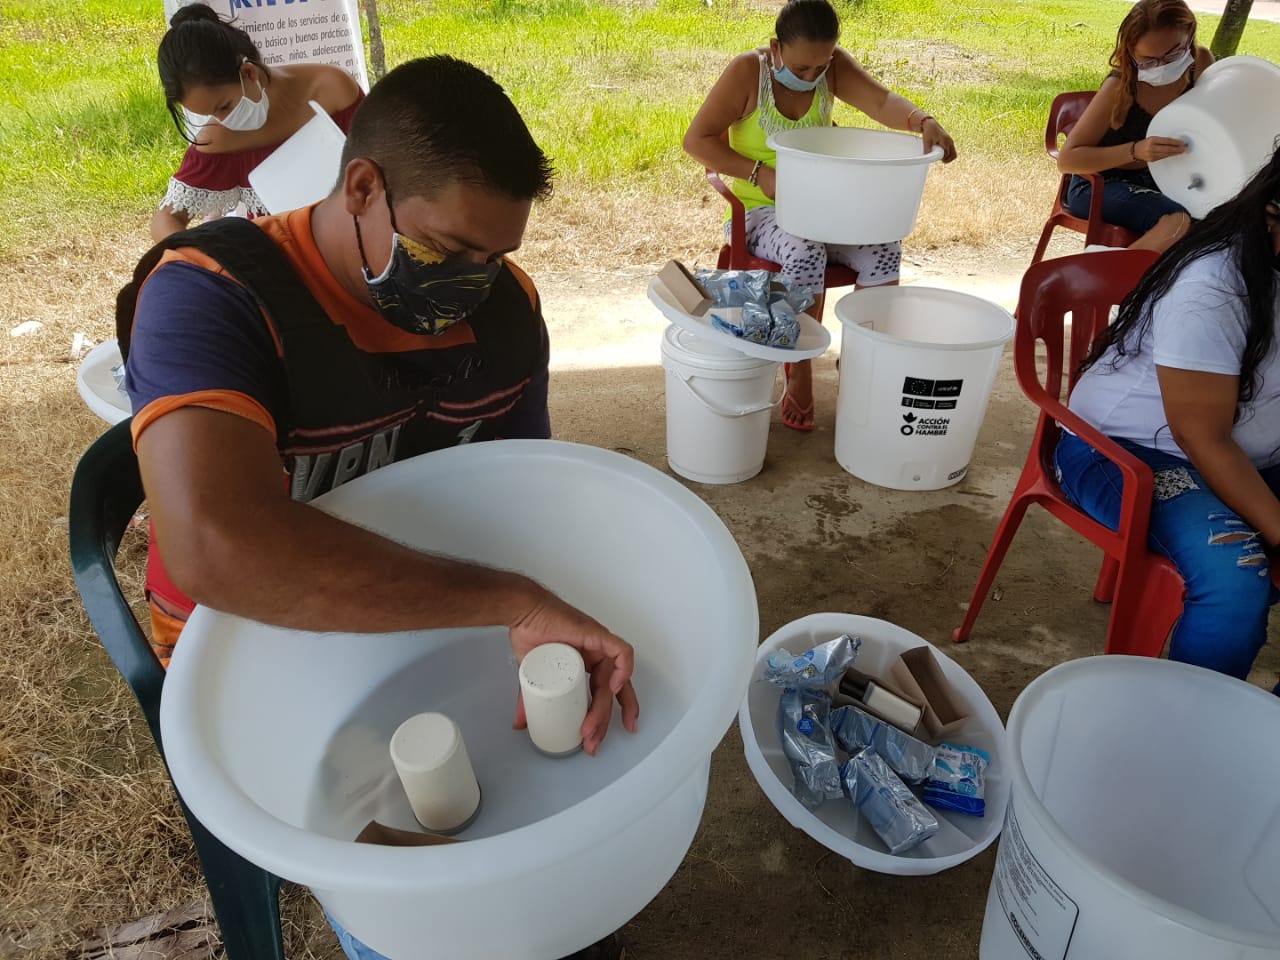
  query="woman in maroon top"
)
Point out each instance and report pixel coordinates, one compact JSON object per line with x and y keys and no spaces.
{"x":234,"y":112}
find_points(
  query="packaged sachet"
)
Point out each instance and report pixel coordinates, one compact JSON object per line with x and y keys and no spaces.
{"x":785,"y":330}
{"x":797,"y":297}
{"x":958,"y":780}
{"x":893,"y":811}
{"x":806,"y":740}
{"x":909,"y":758}
{"x":823,"y":666}
{"x":735,"y":288}
{"x":754,"y":323}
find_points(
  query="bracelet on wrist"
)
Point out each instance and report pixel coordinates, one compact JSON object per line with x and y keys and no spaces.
{"x":754,"y":179}
{"x":914,"y":111}
{"x":1133,"y":149}
{"x":925,"y":119}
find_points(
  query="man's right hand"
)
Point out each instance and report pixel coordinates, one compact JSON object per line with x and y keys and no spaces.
{"x":609,"y":659}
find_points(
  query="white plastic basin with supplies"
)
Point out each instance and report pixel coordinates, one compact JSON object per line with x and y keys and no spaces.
{"x":278,"y":739}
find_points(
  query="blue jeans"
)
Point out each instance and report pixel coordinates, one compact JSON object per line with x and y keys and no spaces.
{"x":1135,"y":204}
{"x":1227,"y":576}
{"x":353,"y":948}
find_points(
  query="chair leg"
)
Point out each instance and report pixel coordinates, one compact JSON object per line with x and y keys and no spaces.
{"x":1105,"y":589}
{"x":1043,"y":244}
{"x":1147,"y":605}
{"x":246,"y":898}
{"x":1009,"y":524}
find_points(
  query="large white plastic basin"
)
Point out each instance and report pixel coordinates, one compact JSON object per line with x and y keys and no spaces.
{"x":1145,"y":817}
{"x":836,"y":824}
{"x":1229,"y":121}
{"x":97,"y":383}
{"x":278,"y":739}
{"x":848,"y":184}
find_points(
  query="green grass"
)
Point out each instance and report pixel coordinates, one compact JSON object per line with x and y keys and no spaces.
{"x":607,"y":88}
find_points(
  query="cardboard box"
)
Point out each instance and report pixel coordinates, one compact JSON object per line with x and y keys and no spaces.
{"x":919,"y":678}
{"x":685,"y":290}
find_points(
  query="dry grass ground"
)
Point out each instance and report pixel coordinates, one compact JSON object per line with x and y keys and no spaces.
{"x":89,"y":831}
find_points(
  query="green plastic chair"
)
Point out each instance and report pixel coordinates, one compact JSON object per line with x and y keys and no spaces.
{"x":105,"y":493}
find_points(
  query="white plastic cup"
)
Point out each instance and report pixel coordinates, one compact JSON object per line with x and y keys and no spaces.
{"x":553,"y":681}
{"x":432,"y":761}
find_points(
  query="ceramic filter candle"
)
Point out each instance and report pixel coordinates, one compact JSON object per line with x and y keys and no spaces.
{"x":434,"y":768}
{"x":553,"y":680}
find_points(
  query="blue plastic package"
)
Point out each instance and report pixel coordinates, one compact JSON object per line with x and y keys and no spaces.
{"x":808,"y":745}
{"x":823,"y":666}
{"x":909,"y":758}
{"x":958,"y":780}
{"x":893,"y":811}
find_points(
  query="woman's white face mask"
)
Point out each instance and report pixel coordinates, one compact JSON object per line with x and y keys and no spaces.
{"x":244,"y":116}
{"x":1167,"y":73}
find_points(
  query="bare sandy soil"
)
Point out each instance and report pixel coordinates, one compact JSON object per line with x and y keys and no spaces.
{"x":818,"y":539}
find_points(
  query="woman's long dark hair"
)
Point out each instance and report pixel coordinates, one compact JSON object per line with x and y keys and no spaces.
{"x":200,"y":49}
{"x":1240,"y":226}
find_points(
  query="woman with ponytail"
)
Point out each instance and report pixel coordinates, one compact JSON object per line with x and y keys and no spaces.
{"x":1187,"y":379}
{"x":1156,"y":59}
{"x":233,"y":112}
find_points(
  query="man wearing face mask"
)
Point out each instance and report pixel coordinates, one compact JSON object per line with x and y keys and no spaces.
{"x":1155,"y":61}
{"x":273,"y":360}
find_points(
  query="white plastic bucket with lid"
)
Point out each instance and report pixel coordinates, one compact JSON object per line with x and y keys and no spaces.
{"x":917,"y":365}
{"x":849,"y":185}
{"x":1144,"y":820}
{"x":836,"y":824}
{"x":718,"y":406}
{"x":303,"y":169}
{"x":1229,"y":121}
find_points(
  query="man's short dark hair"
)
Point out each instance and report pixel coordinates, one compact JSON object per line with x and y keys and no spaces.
{"x":437,"y":120}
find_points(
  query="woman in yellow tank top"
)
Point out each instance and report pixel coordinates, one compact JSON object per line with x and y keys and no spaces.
{"x":791,"y":83}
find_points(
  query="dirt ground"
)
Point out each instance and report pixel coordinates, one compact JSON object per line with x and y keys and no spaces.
{"x":818,"y":539}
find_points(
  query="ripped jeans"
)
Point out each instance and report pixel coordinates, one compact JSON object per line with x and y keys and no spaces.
{"x":1229,"y":591}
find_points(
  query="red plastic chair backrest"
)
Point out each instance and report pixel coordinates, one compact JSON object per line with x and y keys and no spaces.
{"x":1065,"y":111}
{"x":1085,"y":287}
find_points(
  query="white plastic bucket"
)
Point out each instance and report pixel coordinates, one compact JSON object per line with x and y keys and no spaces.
{"x":718,"y":406}
{"x":303,"y":169}
{"x":836,"y":824}
{"x":849,"y":185}
{"x":278,"y":739}
{"x":1144,"y":820}
{"x":916,"y":369}
{"x":96,"y":381}
{"x":1229,"y":121}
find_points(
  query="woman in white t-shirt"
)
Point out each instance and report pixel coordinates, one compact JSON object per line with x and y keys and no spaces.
{"x":1188,"y":380}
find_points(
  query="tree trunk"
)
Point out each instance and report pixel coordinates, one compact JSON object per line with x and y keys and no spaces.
{"x":1230,"y":29}
{"x":378,"y":54}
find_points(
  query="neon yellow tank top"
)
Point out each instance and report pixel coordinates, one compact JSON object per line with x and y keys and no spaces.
{"x":749,"y":135}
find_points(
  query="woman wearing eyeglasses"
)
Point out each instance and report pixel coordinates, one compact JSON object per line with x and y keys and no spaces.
{"x":793,"y":82}
{"x":234,"y":112}
{"x":1156,"y":60}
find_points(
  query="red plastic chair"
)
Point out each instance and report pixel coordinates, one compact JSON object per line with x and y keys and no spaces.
{"x":1063,"y":114}
{"x":734,"y":255}
{"x":1145,"y":587}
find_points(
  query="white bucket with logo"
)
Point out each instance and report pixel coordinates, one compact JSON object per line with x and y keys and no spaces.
{"x":916,"y":369}
{"x":718,"y":406}
{"x":1144,"y":819}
